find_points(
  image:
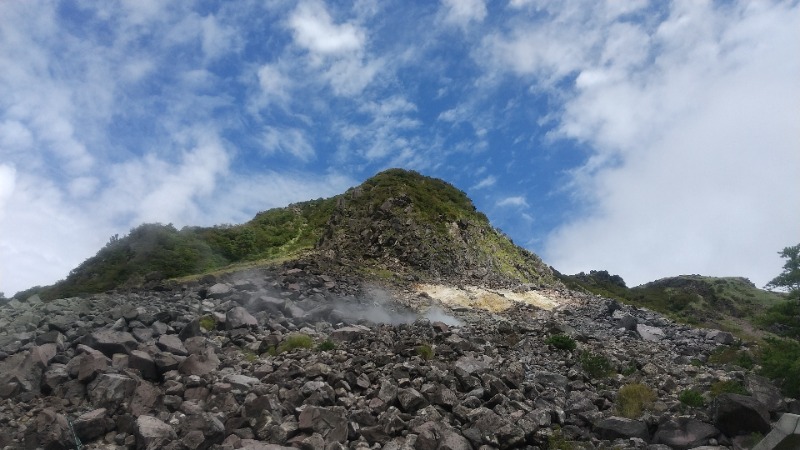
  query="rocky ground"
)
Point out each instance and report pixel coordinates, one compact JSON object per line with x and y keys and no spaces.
{"x":293,"y":358}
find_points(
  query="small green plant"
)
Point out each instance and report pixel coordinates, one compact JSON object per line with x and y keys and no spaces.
{"x":630,"y":369}
{"x":294,"y":341}
{"x":561,"y":342}
{"x":208,"y":322}
{"x":596,"y":365}
{"x":727,"y":387}
{"x":249,"y":355}
{"x":557,"y":441}
{"x":425,"y":351}
{"x":690,"y":397}
{"x":633,"y":399}
{"x":326,"y":345}
{"x":731,"y":355}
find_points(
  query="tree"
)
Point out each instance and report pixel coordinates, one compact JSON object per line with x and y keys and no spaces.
{"x":790,"y":278}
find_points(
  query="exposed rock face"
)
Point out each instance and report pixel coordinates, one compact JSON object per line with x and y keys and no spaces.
{"x":123,"y":372}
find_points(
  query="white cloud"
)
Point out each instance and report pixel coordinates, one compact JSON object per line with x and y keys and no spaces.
{"x":336,"y":52}
{"x":518,"y":201}
{"x":314,"y":29}
{"x":275,"y":85}
{"x":462,"y":12}
{"x":695,"y":153}
{"x":486,"y":182}
{"x":288,"y":140}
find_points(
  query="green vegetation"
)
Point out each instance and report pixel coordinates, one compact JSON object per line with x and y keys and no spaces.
{"x":633,"y":399}
{"x":596,"y":365}
{"x":789,"y":279}
{"x":732,"y":355}
{"x":395,"y":221}
{"x":557,"y":441}
{"x":295,"y":341}
{"x":780,"y":360}
{"x":727,"y":387}
{"x":690,"y":397}
{"x":208,"y":322}
{"x":561,"y":342}
{"x":425,"y":351}
{"x":326,"y":345}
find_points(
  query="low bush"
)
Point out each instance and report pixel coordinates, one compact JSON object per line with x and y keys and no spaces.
{"x":561,"y":342}
{"x":633,"y":399}
{"x":690,"y":397}
{"x":208,"y":322}
{"x":295,"y":341}
{"x":780,"y":360}
{"x":727,"y":387}
{"x":326,"y":345}
{"x":596,"y":365}
{"x":425,"y":351}
{"x":731,"y":355}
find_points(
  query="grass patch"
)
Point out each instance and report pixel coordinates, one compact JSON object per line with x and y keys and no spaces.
{"x":633,"y":399}
{"x":326,"y":345}
{"x":295,"y":341}
{"x":208,"y":322}
{"x":425,"y":351}
{"x":731,"y":355}
{"x":727,"y":387}
{"x":596,"y":365}
{"x":780,"y":360}
{"x":561,"y":342}
{"x":557,"y":441}
{"x":690,"y":397}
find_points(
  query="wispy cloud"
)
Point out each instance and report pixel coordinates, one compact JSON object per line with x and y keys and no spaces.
{"x":485,"y":183}
{"x":513,"y":201}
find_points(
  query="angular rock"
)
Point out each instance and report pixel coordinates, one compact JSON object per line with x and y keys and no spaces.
{"x":736,"y":414}
{"x":411,"y":400}
{"x":720,"y":337}
{"x":152,"y":434}
{"x":93,"y":424}
{"x":650,"y":333}
{"x":172,"y":344}
{"x":110,"y":342}
{"x":238,"y":317}
{"x":684,"y":433}
{"x":143,"y":362}
{"x":109,"y":390}
{"x":621,"y":427}
{"x":330,"y":423}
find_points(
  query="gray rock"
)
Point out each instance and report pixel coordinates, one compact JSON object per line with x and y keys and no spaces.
{"x":144,"y":363}
{"x":736,"y":414}
{"x":330,"y":423}
{"x":649,"y":333}
{"x":110,"y":342}
{"x":238,"y":317}
{"x":219,"y":290}
{"x":411,"y":400}
{"x":152,"y":433}
{"x":720,"y":337}
{"x":93,"y":424}
{"x":684,"y":433}
{"x":765,"y":392}
{"x":620,"y":427}
{"x":109,"y":390}
{"x":172,"y":344}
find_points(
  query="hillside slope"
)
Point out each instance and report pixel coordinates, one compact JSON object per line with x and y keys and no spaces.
{"x":397,"y":222}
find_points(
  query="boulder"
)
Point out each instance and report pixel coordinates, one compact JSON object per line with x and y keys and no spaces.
{"x":650,"y":333}
{"x":736,"y":414}
{"x":329,"y":422}
{"x":109,"y":390}
{"x":684,"y":433}
{"x":720,"y":337}
{"x":172,"y":343}
{"x":621,"y":427}
{"x":152,"y":434}
{"x":238,"y":317}
{"x":93,"y":424}
{"x":110,"y":342}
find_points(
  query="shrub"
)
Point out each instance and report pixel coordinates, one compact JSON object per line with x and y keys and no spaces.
{"x":595,"y":365}
{"x":690,"y":397}
{"x":780,"y":360}
{"x":208,"y":322}
{"x":731,"y":355}
{"x":295,"y":341}
{"x":561,"y":342}
{"x":727,"y":387}
{"x":557,"y":441}
{"x":326,"y":345}
{"x":632,"y":399}
{"x":425,"y":351}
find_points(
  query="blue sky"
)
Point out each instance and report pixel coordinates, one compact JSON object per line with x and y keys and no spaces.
{"x":646,"y":138}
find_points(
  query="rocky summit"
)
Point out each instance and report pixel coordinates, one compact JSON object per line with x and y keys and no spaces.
{"x":299,"y":357}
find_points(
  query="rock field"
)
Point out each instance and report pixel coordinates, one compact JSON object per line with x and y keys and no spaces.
{"x":292,"y":357}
